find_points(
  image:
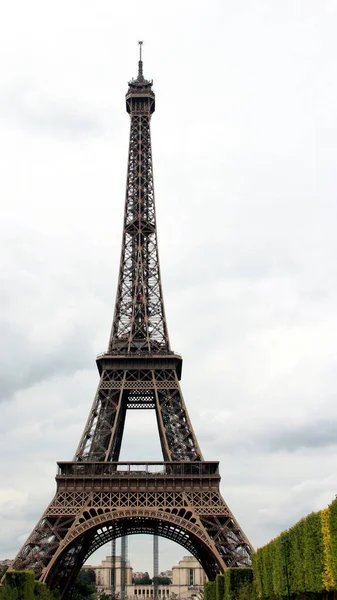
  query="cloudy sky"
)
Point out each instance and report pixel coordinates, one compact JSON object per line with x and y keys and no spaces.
{"x":244,"y":144}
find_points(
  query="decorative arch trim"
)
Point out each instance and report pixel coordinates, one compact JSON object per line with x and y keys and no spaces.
{"x":80,"y":527}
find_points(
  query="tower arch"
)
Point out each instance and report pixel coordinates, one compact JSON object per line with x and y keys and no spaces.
{"x":92,"y":533}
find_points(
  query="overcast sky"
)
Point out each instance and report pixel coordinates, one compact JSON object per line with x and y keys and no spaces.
{"x":244,"y":145}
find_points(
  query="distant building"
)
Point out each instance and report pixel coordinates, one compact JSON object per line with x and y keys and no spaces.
{"x":138,"y":574}
{"x":187,"y":578}
{"x":103,"y":575}
{"x":146,"y":592}
{"x":167,"y":573}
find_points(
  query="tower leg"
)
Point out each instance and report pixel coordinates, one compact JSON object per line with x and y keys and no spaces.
{"x":124,"y":558}
{"x":113,"y":569}
{"x":155,"y":566}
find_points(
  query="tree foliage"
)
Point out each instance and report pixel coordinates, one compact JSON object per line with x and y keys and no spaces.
{"x":307,"y":552}
{"x":209,"y":590}
{"x":161,"y":580}
{"x":303,"y":559}
{"x":235,"y":584}
{"x":145,"y":580}
{"x":20,"y":585}
{"x":85,"y":585}
{"x":238,"y":583}
{"x":219,"y":587}
{"x":332,"y":520}
{"x":41,"y":591}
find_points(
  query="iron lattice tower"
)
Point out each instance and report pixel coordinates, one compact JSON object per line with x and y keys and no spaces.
{"x":98,"y":498}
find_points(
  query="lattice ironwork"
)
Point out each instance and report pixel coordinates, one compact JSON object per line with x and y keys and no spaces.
{"x":155,"y":566}
{"x":113,"y":568}
{"x":180,"y":501}
{"x":99,"y":499}
{"x":139,"y":322}
{"x":146,"y":387}
{"x":124,"y":558}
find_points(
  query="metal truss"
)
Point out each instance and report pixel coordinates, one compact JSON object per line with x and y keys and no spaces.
{"x":113,"y":568}
{"x":145,"y":387}
{"x":124,"y":558}
{"x":155,"y":565}
{"x":139,"y":323}
{"x":99,"y":499}
{"x":98,"y":502}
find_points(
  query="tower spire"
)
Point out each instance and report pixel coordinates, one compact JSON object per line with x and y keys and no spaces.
{"x":139,"y":323}
{"x":140,"y":62}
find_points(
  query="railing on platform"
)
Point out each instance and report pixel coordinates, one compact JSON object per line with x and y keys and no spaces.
{"x":139,"y":353}
{"x":137,"y":469}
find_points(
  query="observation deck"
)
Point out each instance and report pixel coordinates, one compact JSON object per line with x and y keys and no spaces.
{"x":157,"y":359}
{"x":131,"y":476}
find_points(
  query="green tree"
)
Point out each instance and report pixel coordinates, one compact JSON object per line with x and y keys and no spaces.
{"x":161,"y":580}
{"x":85,"y":585}
{"x":145,"y":580}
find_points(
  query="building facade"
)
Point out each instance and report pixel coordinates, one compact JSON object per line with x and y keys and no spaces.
{"x":187,"y":578}
{"x":144,"y":592}
{"x":103,"y":574}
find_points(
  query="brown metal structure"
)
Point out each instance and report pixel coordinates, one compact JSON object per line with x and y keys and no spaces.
{"x":98,"y":498}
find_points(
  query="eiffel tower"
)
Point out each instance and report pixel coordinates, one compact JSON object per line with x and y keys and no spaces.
{"x":99,"y":499}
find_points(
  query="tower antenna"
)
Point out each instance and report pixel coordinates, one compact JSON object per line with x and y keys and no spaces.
{"x":140,"y":62}
{"x":140,"y":49}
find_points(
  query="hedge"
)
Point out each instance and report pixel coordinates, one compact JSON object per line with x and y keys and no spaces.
{"x":235,"y":584}
{"x":219,"y":587}
{"x":238,"y":584}
{"x":332,"y":520}
{"x":209,"y":590}
{"x":42,"y":592}
{"x":304,"y":558}
{"x":307,"y":552}
{"x":20,"y":585}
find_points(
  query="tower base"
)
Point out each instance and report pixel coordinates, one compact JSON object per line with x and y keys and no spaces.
{"x":97,"y":502}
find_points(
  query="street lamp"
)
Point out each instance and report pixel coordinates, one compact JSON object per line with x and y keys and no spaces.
{"x":285,"y":543}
